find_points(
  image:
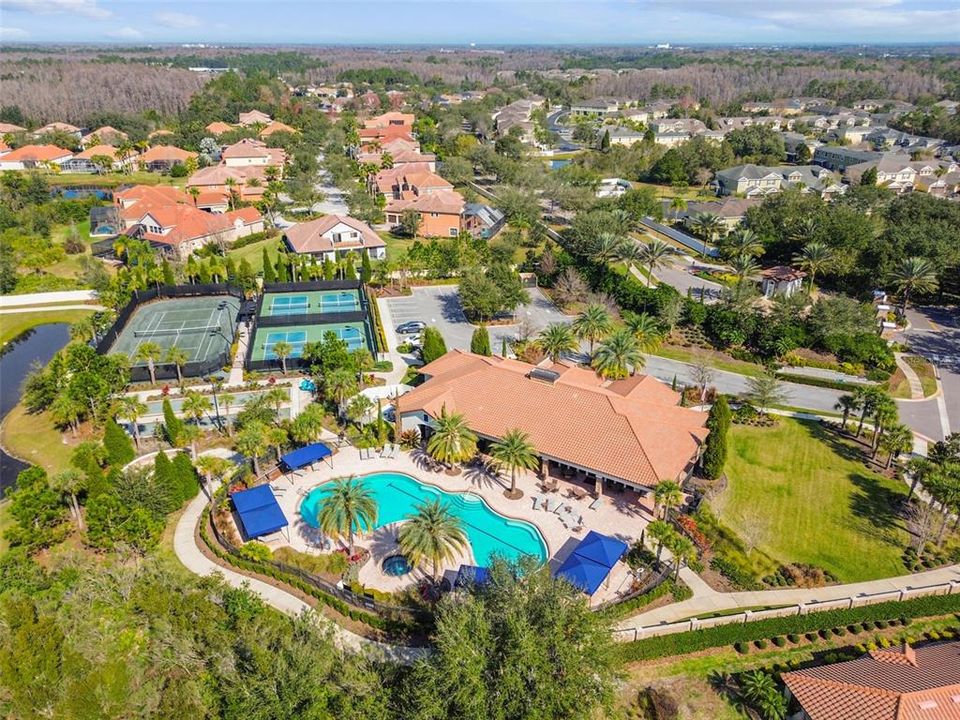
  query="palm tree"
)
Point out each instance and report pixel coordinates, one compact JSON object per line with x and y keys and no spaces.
{"x":660,"y":531}
{"x":913,"y":274}
{"x":178,"y":358}
{"x":761,"y":692}
{"x":654,"y":256}
{"x":666,"y":495}
{"x":211,"y":466}
{"x":743,"y":267}
{"x":308,"y":425}
{"x":196,"y":406}
{"x":742,"y":241}
{"x":151,"y":352}
{"x":618,"y":355}
{"x":920,"y":469}
{"x":707,"y":225}
{"x":349,"y":507}
{"x":282,"y":350}
{"x":70,"y":483}
{"x":514,"y":452}
{"x":557,"y":339}
{"x":276,"y":396}
{"x":277,"y":437}
{"x":867,"y":398}
{"x":451,"y":441}
{"x":847,"y":404}
{"x":897,"y":439}
{"x":252,"y":442}
{"x":340,"y":384}
{"x":646,"y":329}
{"x":593,"y":324}
{"x":433,"y":533}
{"x":885,"y":415}
{"x":815,"y":257}
{"x":678,"y":205}
{"x":683,"y":551}
{"x":227,"y":399}
{"x":130,"y":407}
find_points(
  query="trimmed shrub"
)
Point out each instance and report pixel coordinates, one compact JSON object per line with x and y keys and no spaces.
{"x":779,"y":641}
{"x":433,"y":345}
{"x":118,"y":445}
{"x":793,"y":637}
{"x":760,"y":644}
{"x":741,"y":647}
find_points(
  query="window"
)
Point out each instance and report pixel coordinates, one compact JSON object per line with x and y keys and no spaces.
{"x":454,"y":232}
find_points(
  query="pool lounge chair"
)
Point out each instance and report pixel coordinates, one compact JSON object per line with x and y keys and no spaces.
{"x":394,"y":450}
{"x":553,"y":505}
{"x":596,"y":503}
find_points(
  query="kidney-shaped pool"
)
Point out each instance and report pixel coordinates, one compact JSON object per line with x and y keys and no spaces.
{"x":489,"y":532}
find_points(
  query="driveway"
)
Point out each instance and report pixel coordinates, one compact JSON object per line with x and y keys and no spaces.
{"x":935,"y":334}
{"x":439,"y":306}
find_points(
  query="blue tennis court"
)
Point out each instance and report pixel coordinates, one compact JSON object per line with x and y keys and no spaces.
{"x":344,"y":301}
{"x":289,"y":305}
{"x":312,"y":302}
{"x":296,"y":338}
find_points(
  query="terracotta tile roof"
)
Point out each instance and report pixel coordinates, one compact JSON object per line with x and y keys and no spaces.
{"x":783,"y":273}
{"x":10,"y":128}
{"x":391,"y":119}
{"x":151,"y":193}
{"x":632,"y":430}
{"x":217,"y":175}
{"x":54,"y":126}
{"x":185,"y":222}
{"x":446,"y":202}
{"x":415,"y":176}
{"x":106,"y":133}
{"x":37,"y":153}
{"x":212,"y":199}
{"x":312,"y":236}
{"x":253,"y":117}
{"x":108,"y":150}
{"x":166,"y":153}
{"x":894,"y":684}
{"x":275,"y":127}
{"x":250,"y":148}
{"x":219,"y":128}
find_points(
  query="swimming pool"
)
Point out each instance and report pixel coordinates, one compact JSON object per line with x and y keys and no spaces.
{"x":489,"y":533}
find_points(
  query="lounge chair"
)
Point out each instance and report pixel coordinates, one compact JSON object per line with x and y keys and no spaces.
{"x":553,"y":505}
{"x":596,"y":503}
{"x":394,"y":451}
{"x":536,"y":502}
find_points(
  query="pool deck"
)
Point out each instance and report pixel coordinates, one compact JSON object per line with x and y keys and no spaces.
{"x":621,"y":515}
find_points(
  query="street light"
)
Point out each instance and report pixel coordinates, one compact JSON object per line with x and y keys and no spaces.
{"x":216,"y":383}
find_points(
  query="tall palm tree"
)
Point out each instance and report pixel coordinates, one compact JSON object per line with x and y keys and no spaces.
{"x":228,"y":399}
{"x":919,"y":469}
{"x":452,"y":441}
{"x":913,"y":274}
{"x":885,"y":415}
{"x":252,"y":442}
{"x":654,"y":255}
{"x":683,"y":551}
{"x":277,"y":437}
{"x":557,"y":339}
{"x":897,"y":439}
{"x":196,"y":406}
{"x":646,"y":329}
{"x":433,"y":533}
{"x":678,"y":205}
{"x":660,"y":531}
{"x":742,"y":241}
{"x":743,"y":267}
{"x":618,"y":355}
{"x":867,"y":399}
{"x":515,"y":452}
{"x":667,"y":494}
{"x":282,"y":350}
{"x":593,"y":324}
{"x":707,"y":224}
{"x":70,"y":483}
{"x":339,"y":384}
{"x":151,"y":352}
{"x":847,"y":404}
{"x":815,"y":257}
{"x":348,"y":508}
{"x":211,"y":466}
{"x":178,"y":358}
{"x":130,"y":407}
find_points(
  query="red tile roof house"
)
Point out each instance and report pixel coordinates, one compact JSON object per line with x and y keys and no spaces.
{"x":334,"y":236}
{"x":391,"y":119}
{"x":414,"y":187}
{"x":254,"y":117}
{"x":629,"y":432}
{"x":891,"y":684}
{"x":248,"y":152}
{"x":83,"y":162}
{"x":107,"y":135}
{"x":10,"y":129}
{"x":59,"y":127}
{"x":32,"y":157}
{"x":179,"y":229}
{"x":217,"y":178}
{"x":219,"y":128}
{"x":161,"y":158}
{"x":275,"y":127}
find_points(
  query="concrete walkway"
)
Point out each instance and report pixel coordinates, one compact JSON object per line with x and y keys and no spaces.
{"x":236,"y":370}
{"x":48,"y":298}
{"x":194,"y":560}
{"x":713,"y":602}
{"x":400,"y":361}
{"x":916,"y":387}
{"x":50,"y":308}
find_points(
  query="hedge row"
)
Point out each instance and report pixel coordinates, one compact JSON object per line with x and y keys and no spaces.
{"x":378,"y":333}
{"x":819,"y":382}
{"x":689,"y":642}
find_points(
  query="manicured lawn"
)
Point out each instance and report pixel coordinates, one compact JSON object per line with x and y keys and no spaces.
{"x":805,"y":497}
{"x":34,"y":439}
{"x":900,"y":388}
{"x":398,"y":245}
{"x":111,"y":180}
{"x":711,"y":357}
{"x":12,"y":324}
{"x":254,"y":253}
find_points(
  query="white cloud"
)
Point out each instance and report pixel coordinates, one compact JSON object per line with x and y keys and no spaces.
{"x":84,"y":8}
{"x":125,"y":33}
{"x":179,"y":21}
{"x":12,"y":33}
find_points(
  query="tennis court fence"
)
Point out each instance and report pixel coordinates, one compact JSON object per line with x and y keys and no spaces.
{"x":310,"y":318}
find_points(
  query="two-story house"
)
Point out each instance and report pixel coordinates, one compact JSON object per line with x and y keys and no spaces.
{"x":249,"y":152}
{"x":756,"y":180}
{"x":333,"y":236}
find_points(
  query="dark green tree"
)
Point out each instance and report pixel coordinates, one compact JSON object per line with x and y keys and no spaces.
{"x":172,"y":425}
{"x":433,"y":345}
{"x":118,"y":445}
{"x":269,"y":276}
{"x":480,"y":341}
{"x":168,"y":277}
{"x":185,"y":477}
{"x":715,"y":452}
{"x":366,"y":269}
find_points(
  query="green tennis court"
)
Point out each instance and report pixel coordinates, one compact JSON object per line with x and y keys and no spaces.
{"x":266,"y":338}
{"x":203,"y":327}
{"x":310,"y":303}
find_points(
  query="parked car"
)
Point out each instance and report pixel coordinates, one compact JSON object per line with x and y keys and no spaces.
{"x":413,"y":327}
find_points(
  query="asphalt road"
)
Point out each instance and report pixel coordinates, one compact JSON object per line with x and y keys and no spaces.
{"x":935,"y":334}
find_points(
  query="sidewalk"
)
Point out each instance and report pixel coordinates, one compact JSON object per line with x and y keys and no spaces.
{"x":399,"y":363}
{"x":916,"y":387}
{"x":194,"y":560}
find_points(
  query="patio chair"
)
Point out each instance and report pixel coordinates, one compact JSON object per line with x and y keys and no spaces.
{"x":553,"y":505}
{"x":596,"y":503}
{"x":536,"y":502}
{"x":394,"y":451}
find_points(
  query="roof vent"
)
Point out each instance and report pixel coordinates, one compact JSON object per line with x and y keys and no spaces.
{"x":927,"y":705}
{"x":547,"y":376}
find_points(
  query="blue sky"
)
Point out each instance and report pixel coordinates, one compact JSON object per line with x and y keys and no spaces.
{"x":481,"y":21}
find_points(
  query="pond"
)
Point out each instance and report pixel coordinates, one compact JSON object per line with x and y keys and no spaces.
{"x":37,"y":345}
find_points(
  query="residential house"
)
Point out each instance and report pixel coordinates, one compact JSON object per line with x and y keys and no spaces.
{"x":634,"y":114}
{"x":82,"y":162}
{"x":371,"y":139}
{"x":218,"y":127}
{"x":886,"y":138}
{"x":391,"y":119}
{"x":276,"y":127}
{"x":897,"y":172}
{"x":792,"y":142}
{"x":148,"y":195}
{"x":838,"y":158}
{"x":105,"y":135}
{"x":482,"y":221}
{"x":639,"y":434}
{"x":248,"y":182}
{"x":333,"y":236}
{"x":10,"y":129}
{"x":897,"y":683}
{"x":757,"y":180}
{"x":180,"y":229}
{"x":781,"y":280}
{"x":254,"y":117}
{"x":417,"y":178}
{"x":32,"y":157}
{"x":595,"y":107}
{"x":658,"y":109}
{"x":249,"y":152}
{"x":726,"y":124}
{"x":731,"y":211}
{"x":517,"y":115}
{"x":440,"y":212}
{"x":59,"y":127}
{"x":162,"y":158}
{"x":619,"y":135}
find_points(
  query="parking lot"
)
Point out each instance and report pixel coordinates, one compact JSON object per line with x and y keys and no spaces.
{"x":439,"y":306}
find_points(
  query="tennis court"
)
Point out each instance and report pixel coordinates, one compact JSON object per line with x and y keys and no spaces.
{"x":310,"y":303}
{"x":203,"y":327}
{"x":297,"y":336}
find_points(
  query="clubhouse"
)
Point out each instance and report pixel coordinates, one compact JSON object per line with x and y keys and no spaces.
{"x":629,"y":433}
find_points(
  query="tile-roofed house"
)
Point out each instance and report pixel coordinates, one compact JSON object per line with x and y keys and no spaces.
{"x":730,"y":210}
{"x":254,"y":117}
{"x":517,"y":115}
{"x":249,"y":182}
{"x":781,"y":280}
{"x":440,"y":212}
{"x":83,"y":161}
{"x":631,"y":431}
{"x":415,"y":177}
{"x":380,"y":136}
{"x":10,"y":129}
{"x":757,"y":180}
{"x":180,"y":229}
{"x":58,"y":127}
{"x":106,"y":135}
{"x":149,"y":194}
{"x":333,"y":236}
{"x":391,"y":119}
{"x":252,"y":152}
{"x":897,"y":172}
{"x":275,"y":127}
{"x":161,"y":158}
{"x":31,"y":157}
{"x":218,"y":127}
{"x":902,"y":683}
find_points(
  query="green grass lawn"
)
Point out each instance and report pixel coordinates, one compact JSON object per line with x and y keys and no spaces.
{"x":12,"y":324}
{"x":398,"y":245}
{"x":253,"y":253}
{"x":712,"y":358}
{"x":805,"y":496}
{"x":111,"y":180}
{"x":34,"y":439}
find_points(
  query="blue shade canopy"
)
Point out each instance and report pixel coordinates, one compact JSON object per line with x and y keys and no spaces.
{"x":471,"y":575}
{"x":259,"y":512}
{"x":304,"y":456}
{"x":583,"y":573}
{"x":601,"y":549}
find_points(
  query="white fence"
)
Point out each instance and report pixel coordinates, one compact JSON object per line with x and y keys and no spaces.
{"x":639,"y":633}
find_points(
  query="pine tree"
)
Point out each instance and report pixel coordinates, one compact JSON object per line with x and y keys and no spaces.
{"x":172,"y":424}
{"x":366,"y":269}
{"x":433,"y":345}
{"x":480,"y":342}
{"x":164,"y":479}
{"x":349,"y":271}
{"x":503,"y":347}
{"x":715,"y":453}
{"x":269,"y":276}
{"x":168,"y":276}
{"x":283,"y":270}
{"x":185,"y":477}
{"x":231,"y":270}
{"x":329,"y":269}
{"x":605,"y":140}
{"x":118,"y":445}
